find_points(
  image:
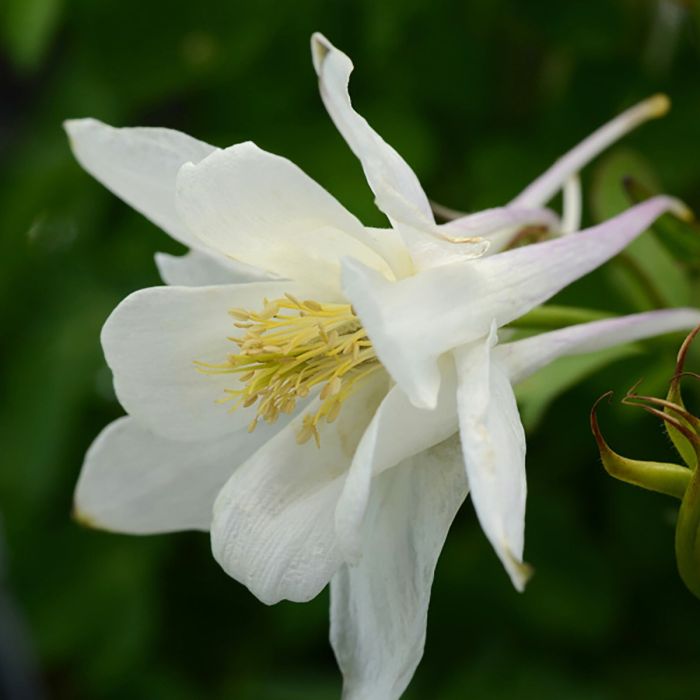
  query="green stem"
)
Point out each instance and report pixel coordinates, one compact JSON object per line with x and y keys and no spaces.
{"x":553,"y":317}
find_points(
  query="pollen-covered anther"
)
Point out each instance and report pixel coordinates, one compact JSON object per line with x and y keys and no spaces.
{"x":288,"y":350}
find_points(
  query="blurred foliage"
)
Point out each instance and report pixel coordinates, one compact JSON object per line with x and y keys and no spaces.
{"x":479,"y":96}
{"x":680,"y":238}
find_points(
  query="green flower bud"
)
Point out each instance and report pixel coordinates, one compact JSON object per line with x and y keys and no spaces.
{"x":679,"y":480}
{"x":662,"y":477}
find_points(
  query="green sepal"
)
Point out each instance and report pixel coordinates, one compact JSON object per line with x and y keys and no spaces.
{"x":680,"y":441}
{"x":661,"y":477}
{"x":687,"y":536}
{"x":683,"y":445}
{"x":688,"y":524}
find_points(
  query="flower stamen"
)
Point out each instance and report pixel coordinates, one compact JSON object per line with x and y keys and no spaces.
{"x":290,"y":348}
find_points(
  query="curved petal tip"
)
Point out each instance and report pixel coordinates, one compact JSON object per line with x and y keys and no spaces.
{"x":658,"y":105}
{"x":320,"y":48}
{"x":681,"y":210}
{"x":520,"y":572}
{"x":84,"y":519}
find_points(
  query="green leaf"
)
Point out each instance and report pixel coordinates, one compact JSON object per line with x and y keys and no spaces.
{"x":537,"y":393}
{"x":27,"y":28}
{"x":645,"y":273}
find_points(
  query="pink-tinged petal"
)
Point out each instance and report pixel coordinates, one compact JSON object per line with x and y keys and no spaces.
{"x":262,"y":210}
{"x":493,"y":443}
{"x":496,"y":226}
{"x":379,"y":607}
{"x":491,"y":222}
{"x":140,"y":166}
{"x":522,"y":358}
{"x":137,"y":482}
{"x":549,"y":183}
{"x":273,"y":526}
{"x":413,"y":321}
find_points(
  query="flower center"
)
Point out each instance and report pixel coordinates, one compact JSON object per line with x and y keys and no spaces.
{"x":288,"y":349}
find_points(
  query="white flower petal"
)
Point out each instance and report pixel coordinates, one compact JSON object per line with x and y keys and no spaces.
{"x":262,"y":210}
{"x":493,"y":442}
{"x":413,"y":321}
{"x":140,"y":166}
{"x":429,"y":248}
{"x":379,"y":607}
{"x":524,"y":357}
{"x":398,"y":430}
{"x":137,"y":482}
{"x":472,"y":235}
{"x":549,"y":183}
{"x":154,"y":337}
{"x":273,"y":520}
{"x":573,"y":203}
{"x":398,"y":193}
{"x":198,"y":268}
{"x":387,"y":312}
{"x":390,"y":245}
{"x":457,"y":239}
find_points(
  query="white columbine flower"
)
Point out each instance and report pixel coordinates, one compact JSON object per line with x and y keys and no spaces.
{"x":369,"y":387}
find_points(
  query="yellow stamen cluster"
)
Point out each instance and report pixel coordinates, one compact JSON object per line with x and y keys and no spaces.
{"x":288,"y":349}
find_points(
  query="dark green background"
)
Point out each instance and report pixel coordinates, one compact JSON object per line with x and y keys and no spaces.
{"x":479,"y":96}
